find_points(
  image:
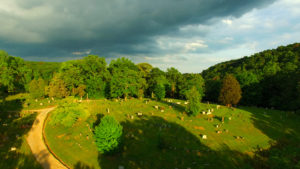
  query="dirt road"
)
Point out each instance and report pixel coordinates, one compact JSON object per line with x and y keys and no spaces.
{"x":37,"y":145}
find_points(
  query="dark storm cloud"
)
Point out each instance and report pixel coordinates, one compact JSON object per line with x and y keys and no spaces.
{"x":57,"y":28}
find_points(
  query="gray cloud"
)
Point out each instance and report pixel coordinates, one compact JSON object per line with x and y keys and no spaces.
{"x":59,"y":28}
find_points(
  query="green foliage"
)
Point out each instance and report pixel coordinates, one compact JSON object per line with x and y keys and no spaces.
{"x":68,"y":113}
{"x":37,"y":88}
{"x":159,"y":91}
{"x":174,"y":77}
{"x":212,"y":89}
{"x":145,"y":69}
{"x":90,"y":71}
{"x":57,"y":88}
{"x":80,"y":90}
{"x":230,"y":93}
{"x":14,"y":75}
{"x":188,"y":82}
{"x":126,"y":79}
{"x":194,"y":99}
{"x":43,"y":70}
{"x":156,"y":77}
{"x":267,"y":79}
{"x":108,"y":134}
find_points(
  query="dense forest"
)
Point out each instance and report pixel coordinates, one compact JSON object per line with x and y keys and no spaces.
{"x":269,"y":79}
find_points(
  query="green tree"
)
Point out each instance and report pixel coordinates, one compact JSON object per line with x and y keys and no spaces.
{"x":96,"y":75}
{"x":81,"y":90}
{"x":57,"y":88}
{"x":173,"y":76}
{"x":194,"y":99}
{"x":145,"y":69}
{"x":72,"y":75}
{"x":37,"y":88}
{"x":188,"y":82}
{"x":230,"y":93}
{"x":159,"y":91}
{"x":126,"y":79}
{"x":14,"y":75}
{"x":108,"y":134}
{"x":156,"y":77}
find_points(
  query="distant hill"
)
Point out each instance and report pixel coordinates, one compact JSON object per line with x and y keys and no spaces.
{"x":270,"y":78}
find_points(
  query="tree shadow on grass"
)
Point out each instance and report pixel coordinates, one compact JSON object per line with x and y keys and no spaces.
{"x":283,"y":128}
{"x":13,"y":127}
{"x":275,"y":124}
{"x":81,"y":165}
{"x":152,"y":142}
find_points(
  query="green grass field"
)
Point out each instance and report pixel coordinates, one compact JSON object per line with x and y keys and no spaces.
{"x":172,"y":139}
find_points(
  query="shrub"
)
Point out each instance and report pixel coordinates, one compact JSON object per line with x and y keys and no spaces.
{"x":194,"y":98}
{"x":68,"y":114}
{"x":108,"y":134}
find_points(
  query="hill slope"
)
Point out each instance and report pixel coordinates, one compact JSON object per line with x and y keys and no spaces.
{"x":270,"y":78}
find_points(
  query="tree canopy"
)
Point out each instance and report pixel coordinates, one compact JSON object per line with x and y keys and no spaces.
{"x":267,"y":78}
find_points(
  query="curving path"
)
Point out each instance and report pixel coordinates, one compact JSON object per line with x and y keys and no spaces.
{"x":37,"y":145}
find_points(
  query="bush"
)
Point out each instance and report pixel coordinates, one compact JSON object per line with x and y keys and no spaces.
{"x":68,"y":114}
{"x":108,"y":134}
{"x":159,"y":91}
{"x":194,"y":98}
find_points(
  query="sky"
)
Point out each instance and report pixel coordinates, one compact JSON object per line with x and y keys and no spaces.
{"x":190,"y":35}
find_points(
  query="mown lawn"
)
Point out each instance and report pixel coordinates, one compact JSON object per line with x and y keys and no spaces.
{"x":172,"y":139}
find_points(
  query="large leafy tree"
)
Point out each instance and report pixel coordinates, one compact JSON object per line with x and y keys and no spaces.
{"x":230,"y":93}
{"x":90,"y":71}
{"x":71,"y":74}
{"x":96,"y":75}
{"x":125,"y":80}
{"x":14,"y":75}
{"x":159,"y":91}
{"x":57,"y":88}
{"x":174,"y":77}
{"x":156,"y":77}
{"x":189,"y":81}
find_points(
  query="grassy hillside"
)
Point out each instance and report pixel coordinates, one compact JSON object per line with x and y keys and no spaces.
{"x":172,"y":139}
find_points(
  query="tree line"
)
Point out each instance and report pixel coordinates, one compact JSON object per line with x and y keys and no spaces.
{"x":270,"y":79}
{"x":92,"y":77}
